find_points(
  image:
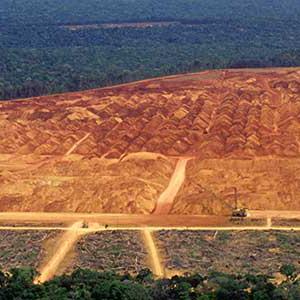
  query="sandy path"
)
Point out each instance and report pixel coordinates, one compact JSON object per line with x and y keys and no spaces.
{"x":165,"y":201}
{"x":132,"y":220}
{"x":71,"y":150}
{"x":81,"y":231}
{"x":66,"y":243}
{"x":155,"y":261}
{"x":284,"y":214}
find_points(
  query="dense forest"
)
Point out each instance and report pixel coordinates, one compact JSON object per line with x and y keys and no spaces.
{"x":62,"y":45}
{"x":89,"y":285}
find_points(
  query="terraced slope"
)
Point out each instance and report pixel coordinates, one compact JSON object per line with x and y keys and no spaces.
{"x":212,"y":114}
{"x":94,"y":150}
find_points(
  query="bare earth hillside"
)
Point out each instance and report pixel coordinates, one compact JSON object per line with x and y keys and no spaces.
{"x":115,"y":149}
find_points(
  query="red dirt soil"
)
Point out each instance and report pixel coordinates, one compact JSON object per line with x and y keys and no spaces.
{"x":56,"y":151}
{"x":210,"y":114}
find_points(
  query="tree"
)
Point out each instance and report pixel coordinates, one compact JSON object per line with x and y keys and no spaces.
{"x":289,"y":271}
{"x":144,"y":275}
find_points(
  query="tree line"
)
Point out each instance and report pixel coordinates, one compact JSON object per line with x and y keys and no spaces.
{"x":39,"y":56}
{"x":84,"y":284}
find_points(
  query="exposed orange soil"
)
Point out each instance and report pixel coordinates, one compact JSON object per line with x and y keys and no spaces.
{"x":133,"y":220}
{"x":115,"y":149}
{"x":255,"y":115}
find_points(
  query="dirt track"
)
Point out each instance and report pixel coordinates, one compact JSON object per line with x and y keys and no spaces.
{"x":165,"y":201}
{"x":153,"y":253}
{"x":66,"y":243}
{"x":133,"y":220}
{"x":115,"y":219}
{"x":284,"y":214}
{"x":156,"y":228}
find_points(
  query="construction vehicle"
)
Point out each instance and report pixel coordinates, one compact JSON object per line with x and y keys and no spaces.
{"x":85,"y":225}
{"x":238,"y":212}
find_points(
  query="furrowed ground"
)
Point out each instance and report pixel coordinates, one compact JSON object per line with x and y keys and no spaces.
{"x":237,"y":129}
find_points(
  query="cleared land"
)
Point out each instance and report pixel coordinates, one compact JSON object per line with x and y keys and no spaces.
{"x":171,"y":251}
{"x":232,"y":252}
{"x":129,"y":186}
{"x":120,"y":251}
{"x":262,"y":183}
{"x":23,"y":248}
{"x":121,"y":145}
{"x":134,"y":160}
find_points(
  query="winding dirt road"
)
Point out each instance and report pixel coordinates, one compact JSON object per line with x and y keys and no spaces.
{"x":165,"y":201}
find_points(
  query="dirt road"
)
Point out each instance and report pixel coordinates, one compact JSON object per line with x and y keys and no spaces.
{"x":165,"y":201}
{"x":154,"y":228}
{"x":155,"y":260}
{"x":112,"y":219}
{"x":132,"y":220}
{"x":65,"y":245}
{"x":283,"y":214}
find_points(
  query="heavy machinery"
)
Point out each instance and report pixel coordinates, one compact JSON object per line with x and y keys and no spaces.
{"x":238,"y":212}
{"x":85,"y":224}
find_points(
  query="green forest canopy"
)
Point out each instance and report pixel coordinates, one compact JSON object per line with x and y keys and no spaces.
{"x":90,"y":285}
{"x":39,"y":55}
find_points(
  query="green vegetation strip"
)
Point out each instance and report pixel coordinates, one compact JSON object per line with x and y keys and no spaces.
{"x":39,"y":55}
{"x":92,"y":285}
